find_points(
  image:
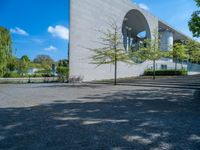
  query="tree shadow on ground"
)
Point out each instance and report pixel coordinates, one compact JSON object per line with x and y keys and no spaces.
{"x":139,"y":119}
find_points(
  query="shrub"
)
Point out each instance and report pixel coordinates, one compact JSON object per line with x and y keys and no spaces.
{"x":63,"y":73}
{"x":36,"y":75}
{"x":17,"y":75}
{"x":46,"y":71}
{"x":166,"y":72}
{"x":11,"y":75}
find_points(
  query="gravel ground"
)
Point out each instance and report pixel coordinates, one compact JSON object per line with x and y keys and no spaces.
{"x":98,"y":117}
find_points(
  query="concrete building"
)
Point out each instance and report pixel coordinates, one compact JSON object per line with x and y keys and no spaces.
{"x":87,"y":17}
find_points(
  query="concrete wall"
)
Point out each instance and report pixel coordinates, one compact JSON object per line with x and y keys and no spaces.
{"x":193,"y":69}
{"x":86,"y":18}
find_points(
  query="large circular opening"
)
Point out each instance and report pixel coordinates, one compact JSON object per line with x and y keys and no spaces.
{"x":135,"y":30}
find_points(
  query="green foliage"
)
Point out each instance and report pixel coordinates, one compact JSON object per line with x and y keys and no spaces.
{"x":44,"y":72}
{"x":111,"y":50}
{"x":107,"y":56}
{"x":179,"y":51}
{"x":17,"y":75}
{"x":151,"y":50}
{"x":63,"y":63}
{"x":22,"y":66}
{"x":198,"y":3}
{"x":11,"y":75}
{"x":63,"y":70}
{"x":165,"y":72}
{"x":193,"y":51}
{"x":5,"y":49}
{"x":194,"y":23}
{"x":63,"y":73}
{"x":44,"y":60}
{"x":12,"y":64}
{"x":25,"y":58}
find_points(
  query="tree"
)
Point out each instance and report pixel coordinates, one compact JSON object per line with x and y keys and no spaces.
{"x":25,"y":58}
{"x":178,"y":53}
{"x":62,"y":73}
{"x":12,"y":64}
{"x":151,"y":50}
{"x":193,"y":51}
{"x":63,"y":63}
{"x":63,"y":69}
{"x":45,"y":60}
{"x":23,"y":65}
{"x":5,"y":49}
{"x":194,"y":23}
{"x":112,"y":50}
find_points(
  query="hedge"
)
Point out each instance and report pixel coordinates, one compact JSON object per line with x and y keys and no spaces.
{"x":17,"y":75}
{"x":166,"y":72}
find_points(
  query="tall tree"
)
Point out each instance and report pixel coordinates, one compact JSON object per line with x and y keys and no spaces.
{"x":5,"y":49}
{"x":112,"y":50}
{"x":151,"y":51}
{"x":13,"y":64}
{"x":22,"y":66}
{"x":179,"y":54}
{"x":193,"y":51}
{"x":194,"y":23}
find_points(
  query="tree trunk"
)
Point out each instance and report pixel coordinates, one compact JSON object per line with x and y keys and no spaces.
{"x":175,"y":66}
{"x":154,"y":69}
{"x":115,"y":76}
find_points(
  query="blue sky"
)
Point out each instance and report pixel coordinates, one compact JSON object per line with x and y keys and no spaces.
{"x":41,"y":26}
{"x":177,"y":13}
{"x":37,"y":26}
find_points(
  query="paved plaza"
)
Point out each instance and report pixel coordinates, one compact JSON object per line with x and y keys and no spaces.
{"x":135,"y":115}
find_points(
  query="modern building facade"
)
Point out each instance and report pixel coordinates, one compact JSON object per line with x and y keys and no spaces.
{"x":87,"y":17}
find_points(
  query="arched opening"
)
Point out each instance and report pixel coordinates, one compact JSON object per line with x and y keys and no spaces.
{"x":135,"y":30}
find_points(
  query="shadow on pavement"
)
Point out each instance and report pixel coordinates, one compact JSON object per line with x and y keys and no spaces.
{"x":139,"y":119}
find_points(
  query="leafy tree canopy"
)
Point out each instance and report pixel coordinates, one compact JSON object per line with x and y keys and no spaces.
{"x":111,"y":50}
{"x":25,"y":58}
{"x":194,"y":23}
{"x":193,"y":50}
{"x":5,"y":49}
{"x":198,"y":2}
{"x":63,"y":63}
{"x":45,"y":60}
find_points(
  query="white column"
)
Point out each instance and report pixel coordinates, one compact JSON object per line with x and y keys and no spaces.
{"x":166,"y":40}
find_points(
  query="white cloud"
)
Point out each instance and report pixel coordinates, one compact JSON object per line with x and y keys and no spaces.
{"x":143,"y":6}
{"x":51,"y":49}
{"x":38,"y":41}
{"x":19,"y":31}
{"x":59,"y":31}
